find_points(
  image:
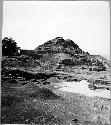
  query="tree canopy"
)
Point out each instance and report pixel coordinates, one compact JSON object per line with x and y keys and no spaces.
{"x":9,"y":47}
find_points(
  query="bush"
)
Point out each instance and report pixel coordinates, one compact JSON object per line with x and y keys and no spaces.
{"x":68,"y":62}
{"x":99,"y":68}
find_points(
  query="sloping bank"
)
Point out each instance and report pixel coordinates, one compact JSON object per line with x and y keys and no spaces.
{"x":95,"y":103}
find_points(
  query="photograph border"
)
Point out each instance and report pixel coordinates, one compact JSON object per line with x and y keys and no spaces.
{"x":1,"y":25}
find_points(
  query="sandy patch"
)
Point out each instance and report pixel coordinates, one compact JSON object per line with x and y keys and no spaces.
{"x":82,"y":88}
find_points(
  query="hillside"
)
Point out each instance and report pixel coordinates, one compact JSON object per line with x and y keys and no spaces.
{"x":59,"y":45}
{"x":66,"y":56}
{"x":69,"y":48}
{"x":32,"y":84}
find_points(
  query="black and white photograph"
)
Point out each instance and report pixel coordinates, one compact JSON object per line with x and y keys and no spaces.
{"x":55,"y":64}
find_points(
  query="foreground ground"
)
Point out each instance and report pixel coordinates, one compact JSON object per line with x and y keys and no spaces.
{"x":29,"y":97}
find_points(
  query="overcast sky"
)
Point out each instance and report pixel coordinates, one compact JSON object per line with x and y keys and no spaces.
{"x":31,"y":23}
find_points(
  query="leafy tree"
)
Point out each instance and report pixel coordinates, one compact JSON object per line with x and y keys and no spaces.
{"x":9,"y":47}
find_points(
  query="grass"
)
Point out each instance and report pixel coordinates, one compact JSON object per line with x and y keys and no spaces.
{"x":39,"y":105}
{"x":34,"y":102}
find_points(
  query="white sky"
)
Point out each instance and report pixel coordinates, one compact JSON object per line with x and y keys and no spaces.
{"x":31,"y":23}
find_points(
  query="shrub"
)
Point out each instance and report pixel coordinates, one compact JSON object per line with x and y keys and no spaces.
{"x":68,"y":62}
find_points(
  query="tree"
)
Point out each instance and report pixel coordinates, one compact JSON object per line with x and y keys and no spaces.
{"x":9,"y":47}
